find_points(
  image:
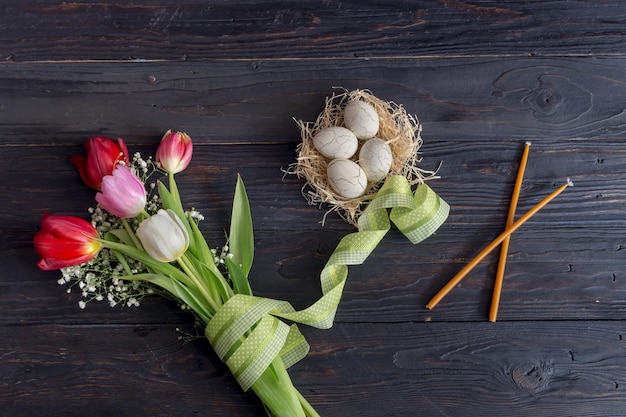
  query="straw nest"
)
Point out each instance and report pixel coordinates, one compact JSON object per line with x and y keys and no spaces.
{"x":400,"y":130}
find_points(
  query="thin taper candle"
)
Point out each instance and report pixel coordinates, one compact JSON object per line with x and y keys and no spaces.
{"x":504,"y":250}
{"x":458,"y":277}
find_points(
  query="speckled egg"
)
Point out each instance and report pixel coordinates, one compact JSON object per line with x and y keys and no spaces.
{"x":361,"y":118}
{"x":375,"y":158}
{"x":347,"y":178}
{"x":336,"y":142}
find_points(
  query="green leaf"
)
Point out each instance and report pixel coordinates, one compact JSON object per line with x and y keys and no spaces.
{"x":168,"y":200}
{"x":142,"y":256}
{"x":238,"y":278}
{"x":210,"y":278}
{"x":206,"y":263}
{"x":121,"y":235}
{"x":122,"y":260}
{"x":203,"y":251}
{"x":241,"y":238}
{"x":177,"y":290}
{"x":173,"y":203}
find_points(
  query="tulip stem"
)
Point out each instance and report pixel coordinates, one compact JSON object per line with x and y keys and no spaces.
{"x":306,"y":406}
{"x":131,"y":234}
{"x":173,"y":186}
{"x":189,"y":269}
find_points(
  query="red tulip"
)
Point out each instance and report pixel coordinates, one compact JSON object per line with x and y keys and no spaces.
{"x":103,"y":155}
{"x":65,"y":241}
{"x":174,"y":152}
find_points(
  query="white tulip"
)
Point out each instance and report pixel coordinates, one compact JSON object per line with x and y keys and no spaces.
{"x":164,"y":236}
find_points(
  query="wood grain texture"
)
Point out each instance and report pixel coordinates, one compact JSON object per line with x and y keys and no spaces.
{"x":595,"y":167}
{"x":451,"y":369}
{"x":483,"y":77}
{"x":196,"y":30}
{"x":479,"y":99}
{"x":393,"y":286}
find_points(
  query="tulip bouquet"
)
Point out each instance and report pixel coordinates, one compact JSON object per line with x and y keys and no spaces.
{"x":141,"y":240}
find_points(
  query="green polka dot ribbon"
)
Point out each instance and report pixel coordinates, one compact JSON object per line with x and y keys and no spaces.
{"x":247,"y":335}
{"x":247,"y":332}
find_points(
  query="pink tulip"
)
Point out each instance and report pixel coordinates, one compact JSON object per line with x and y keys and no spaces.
{"x":65,"y":241}
{"x":174,"y":152}
{"x":123,"y":194}
{"x":103,"y":156}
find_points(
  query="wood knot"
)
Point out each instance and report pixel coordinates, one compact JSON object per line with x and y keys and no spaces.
{"x":555,"y":98}
{"x":531,"y":377}
{"x":544,"y":100}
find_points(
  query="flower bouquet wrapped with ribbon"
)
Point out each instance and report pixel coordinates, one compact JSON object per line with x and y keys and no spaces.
{"x":360,"y":158}
{"x":138,"y":244}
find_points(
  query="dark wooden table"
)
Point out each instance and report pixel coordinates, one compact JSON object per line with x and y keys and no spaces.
{"x":483,"y":78}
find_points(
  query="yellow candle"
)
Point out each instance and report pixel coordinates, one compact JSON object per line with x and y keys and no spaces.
{"x":458,"y":277}
{"x":504,"y":250}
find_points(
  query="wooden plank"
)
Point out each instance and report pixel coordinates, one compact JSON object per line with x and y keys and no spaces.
{"x":480,"y":99}
{"x":108,"y":370}
{"x":514,"y":369}
{"x":559,"y":280}
{"x":596,"y":167}
{"x":194,"y":30}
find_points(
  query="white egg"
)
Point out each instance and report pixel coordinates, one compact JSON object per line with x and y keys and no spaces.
{"x":375,"y":159}
{"x":347,"y":178}
{"x":361,"y":118}
{"x":336,"y":142}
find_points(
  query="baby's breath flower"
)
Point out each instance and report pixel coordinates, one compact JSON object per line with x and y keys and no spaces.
{"x":196,"y":215}
{"x":132,"y":301}
{"x":223,"y":254}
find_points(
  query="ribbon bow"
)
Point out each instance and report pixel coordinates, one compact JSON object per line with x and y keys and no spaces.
{"x":247,"y":333}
